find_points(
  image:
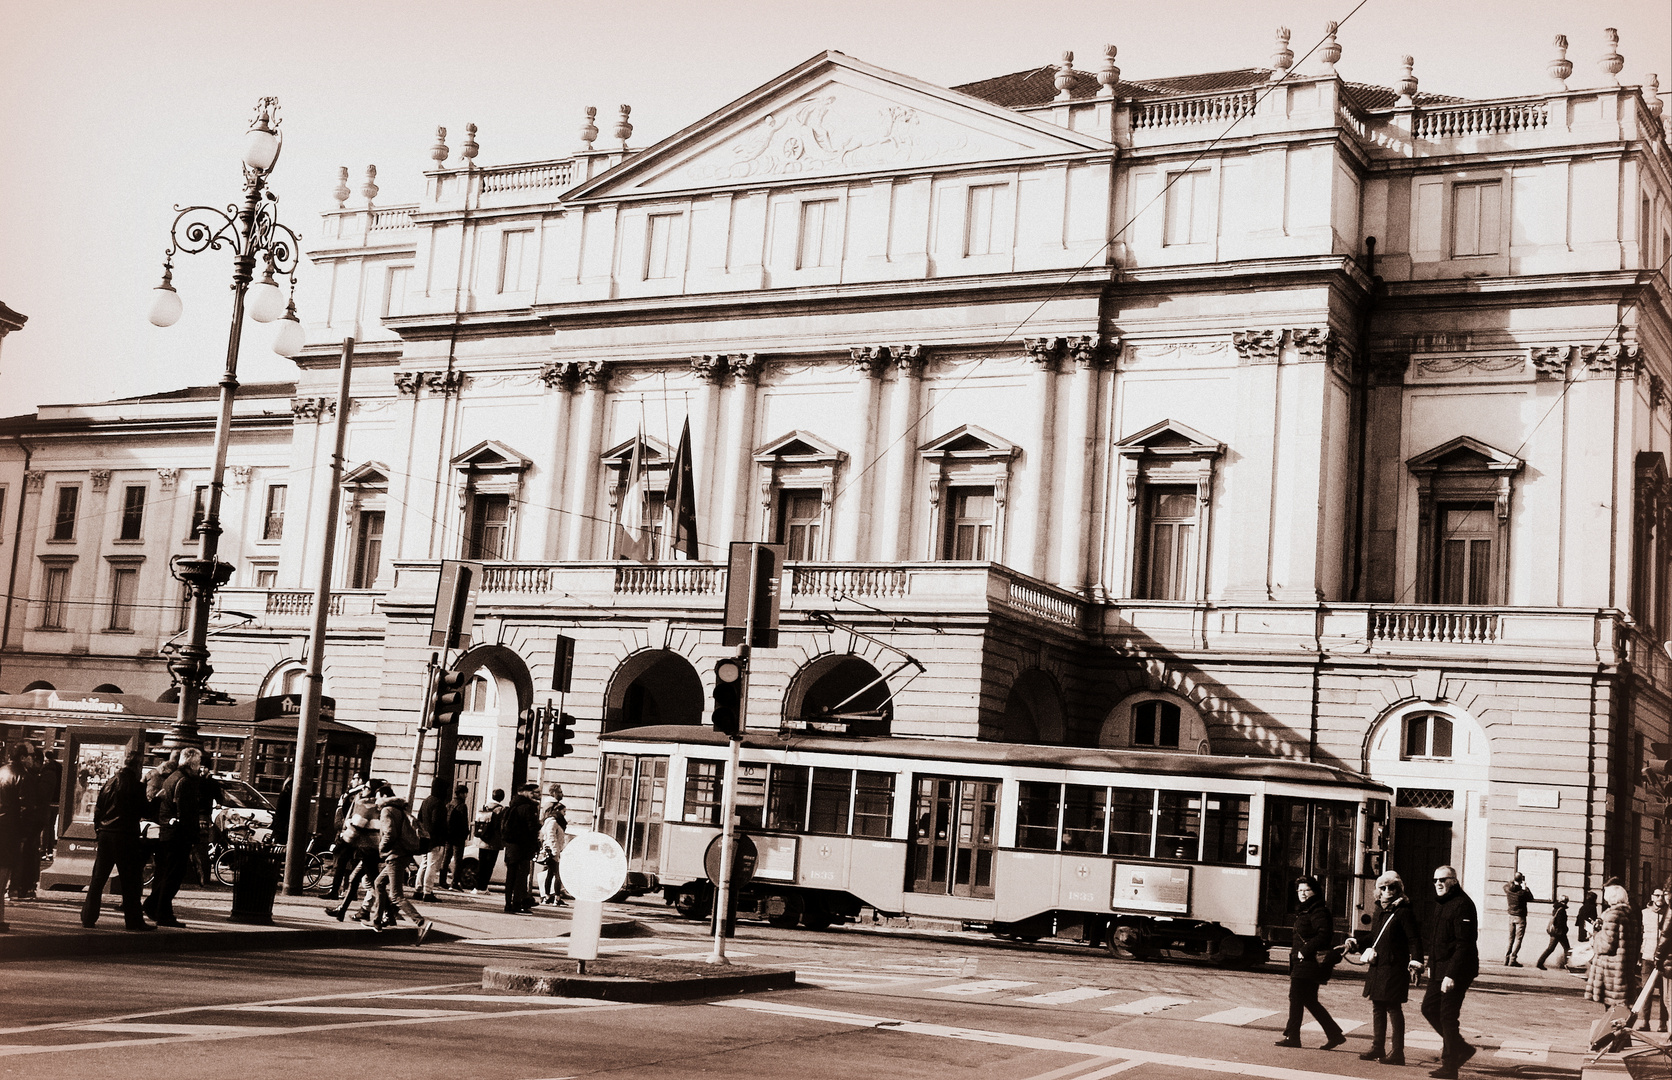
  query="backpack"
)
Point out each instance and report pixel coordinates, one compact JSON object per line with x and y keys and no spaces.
{"x":407,"y":840}
{"x":488,"y":830}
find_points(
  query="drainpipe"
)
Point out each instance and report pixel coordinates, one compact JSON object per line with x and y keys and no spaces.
{"x":1361,"y":437}
{"x":17,"y":542}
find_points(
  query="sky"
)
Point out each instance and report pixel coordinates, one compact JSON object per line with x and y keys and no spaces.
{"x":117,"y":110}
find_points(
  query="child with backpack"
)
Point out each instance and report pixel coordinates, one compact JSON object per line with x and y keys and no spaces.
{"x":398,"y":844}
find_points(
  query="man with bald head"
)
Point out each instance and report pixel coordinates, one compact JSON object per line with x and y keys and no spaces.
{"x":1453,"y":963}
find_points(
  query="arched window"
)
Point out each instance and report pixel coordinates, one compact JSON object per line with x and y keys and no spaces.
{"x":1427,"y":735}
{"x":1155,"y":720}
{"x":107,"y":688}
{"x":39,"y":684}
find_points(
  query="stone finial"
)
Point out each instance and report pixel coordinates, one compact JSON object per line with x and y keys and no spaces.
{"x":1407,"y":84}
{"x":1560,"y":67}
{"x":369,"y":188}
{"x":1330,"y":50}
{"x":1611,"y":61}
{"x":624,"y":126}
{"x":1064,"y":76}
{"x":1651,"y":95}
{"x":341,"y":192}
{"x":1110,"y":75}
{"x":1282,"y":57}
{"x":589,"y":128}
{"x":470,"y":148}
{"x":439,"y":152}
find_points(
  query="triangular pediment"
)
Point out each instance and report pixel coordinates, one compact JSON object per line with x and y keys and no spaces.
{"x":968,"y":440}
{"x":1464,"y":454}
{"x":368,"y":474}
{"x":834,"y":116}
{"x":493,"y":456}
{"x":801,"y":446}
{"x":1170,"y":437}
{"x":655,"y":451}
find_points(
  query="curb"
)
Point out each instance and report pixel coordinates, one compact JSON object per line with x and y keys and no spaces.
{"x":124,"y":943}
{"x":643,"y":991}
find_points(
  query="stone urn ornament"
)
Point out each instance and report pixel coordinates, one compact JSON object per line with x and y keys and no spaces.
{"x":1561,"y":67}
{"x":439,"y":152}
{"x":1611,"y":61}
{"x":1283,"y":57}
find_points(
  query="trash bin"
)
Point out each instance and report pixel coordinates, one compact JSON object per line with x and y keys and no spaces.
{"x":256,"y":869}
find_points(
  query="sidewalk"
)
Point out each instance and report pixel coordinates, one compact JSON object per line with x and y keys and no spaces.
{"x":51,"y":926}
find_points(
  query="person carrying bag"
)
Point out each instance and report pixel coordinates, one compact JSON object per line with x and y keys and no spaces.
{"x":1394,"y":955}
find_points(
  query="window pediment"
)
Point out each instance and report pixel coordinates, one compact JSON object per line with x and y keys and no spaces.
{"x":1464,"y":454}
{"x":969,"y":443}
{"x":800,"y":448}
{"x":1170,"y":438}
{"x":656,"y":452}
{"x":491,"y":456}
{"x":370,"y":474}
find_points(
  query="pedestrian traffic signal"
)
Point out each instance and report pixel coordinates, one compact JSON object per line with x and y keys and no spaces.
{"x":728,"y":695}
{"x":527,"y":726}
{"x":563,"y":736}
{"x":447,"y":698}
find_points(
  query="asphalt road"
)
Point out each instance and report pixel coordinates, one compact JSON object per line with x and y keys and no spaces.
{"x":867,"y":1006}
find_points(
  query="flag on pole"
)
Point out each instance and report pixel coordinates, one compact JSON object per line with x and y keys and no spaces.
{"x":682,"y":498}
{"x":630,"y":532}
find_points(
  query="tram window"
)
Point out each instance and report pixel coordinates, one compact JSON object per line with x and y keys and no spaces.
{"x":1037,"y":809}
{"x":702,"y":791}
{"x":1155,"y":723}
{"x":786,"y":802}
{"x":221,"y":755}
{"x":1130,"y":814}
{"x":832,"y":792}
{"x":1176,"y":825}
{"x":751,"y":795}
{"x":1082,"y":818}
{"x":274,"y":762}
{"x":873,"y":803}
{"x":1225,"y":829}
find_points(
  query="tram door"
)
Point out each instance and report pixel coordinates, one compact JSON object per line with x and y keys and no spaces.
{"x":1305,"y":836}
{"x":955,"y":836}
{"x":631,"y":807}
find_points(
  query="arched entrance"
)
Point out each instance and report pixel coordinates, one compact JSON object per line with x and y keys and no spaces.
{"x":653,"y":687}
{"x":483,"y":752}
{"x":842,"y":686}
{"x":1033,"y":711}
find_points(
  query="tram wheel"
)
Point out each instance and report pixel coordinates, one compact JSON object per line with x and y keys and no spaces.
{"x":784,"y":911}
{"x":693,"y":903}
{"x":1128,"y":943}
{"x":816,"y":916}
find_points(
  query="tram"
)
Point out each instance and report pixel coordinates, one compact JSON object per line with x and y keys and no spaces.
{"x":1139,"y":852}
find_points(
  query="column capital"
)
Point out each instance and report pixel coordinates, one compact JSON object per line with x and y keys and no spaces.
{"x":1314,"y":344}
{"x":1552,"y":362}
{"x":1623,"y":359}
{"x":100,"y":479}
{"x":869,"y":360}
{"x":560,"y":374}
{"x":1087,"y":350}
{"x":407,"y":382}
{"x":1257,"y":346}
{"x":745,"y":366}
{"x":710,"y":367}
{"x":1046,"y":352}
{"x":596,"y":374}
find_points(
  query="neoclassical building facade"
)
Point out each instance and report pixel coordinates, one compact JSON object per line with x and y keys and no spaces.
{"x":1255,"y":412}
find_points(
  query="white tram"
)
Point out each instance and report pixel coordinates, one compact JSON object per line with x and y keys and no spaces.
{"x":1137,"y":851}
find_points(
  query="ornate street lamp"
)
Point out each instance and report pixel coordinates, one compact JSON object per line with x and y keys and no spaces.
{"x":250,"y":231}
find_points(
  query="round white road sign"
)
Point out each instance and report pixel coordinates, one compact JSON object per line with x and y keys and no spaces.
{"x":592,"y":866}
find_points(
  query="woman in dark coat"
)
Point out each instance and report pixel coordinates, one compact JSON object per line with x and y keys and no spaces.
{"x":1395,"y":951}
{"x":1309,"y":953}
{"x":1587,"y":915}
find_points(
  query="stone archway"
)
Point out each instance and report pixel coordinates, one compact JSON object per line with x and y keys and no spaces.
{"x":484,"y":755}
{"x":844,"y":684}
{"x":656,"y":686}
{"x":1033,"y":711}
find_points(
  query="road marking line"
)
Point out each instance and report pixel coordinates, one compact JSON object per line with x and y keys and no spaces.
{"x":1237,"y":1017}
{"x":1068,"y":1071}
{"x":985,"y":986}
{"x":1063,"y":997}
{"x":180,"y":1029}
{"x":1110,"y":1070}
{"x":1146,"y":1006}
{"x":1346,"y":1025}
{"x":506,"y":998}
{"x":338,"y":1010}
{"x":832,"y":979}
{"x":1524,"y":1050}
{"x":1032,"y":1042}
{"x":700,"y":955}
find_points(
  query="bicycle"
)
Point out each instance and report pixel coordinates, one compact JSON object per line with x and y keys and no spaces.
{"x":230,"y":858}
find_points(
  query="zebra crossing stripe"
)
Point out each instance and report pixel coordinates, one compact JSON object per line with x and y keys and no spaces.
{"x":1146,"y":1006}
{"x":1345,"y":1025}
{"x":1523,"y":1050}
{"x":1063,"y":997}
{"x":985,"y":986}
{"x":1237,"y":1017}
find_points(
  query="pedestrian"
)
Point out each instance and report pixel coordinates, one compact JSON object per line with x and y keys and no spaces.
{"x":1312,"y":958}
{"x":359,"y":840}
{"x":208,"y":795}
{"x":344,"y":850}
{"x":116,"y":816}
{"x":432,"y":829}
{"x":489,"y":827}
{"x":1558,"y":931}
{"x":398,"y":843}
{"x":458,"y":835}
{"x":281,"y":812}
{"x":553,"y":832}
{"x":14,"y":777}
{"x":522,"y":839}
{"x":1517,"y":894}
{"x":1453,"y":963}
{"x":1612,"y":977}
{"x":37,"y":814}
{"x":1395,"y":952}
{"x":1587,"y":917}
{"x":179,"y":821}
{"x":1654,"y":915}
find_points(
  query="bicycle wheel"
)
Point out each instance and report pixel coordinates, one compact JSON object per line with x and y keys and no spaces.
{"x":315,"y":870}
{"x":226,"y":865}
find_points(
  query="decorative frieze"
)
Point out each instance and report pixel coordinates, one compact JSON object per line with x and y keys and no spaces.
{"x":100,"y":479}
{"x":1551,"y":362}
{"x":167,"y":478}
{"x":34,"y":480}
{"x":1468,"y":365}
{"x":241,"y":474}
{"x":1257,"y":346}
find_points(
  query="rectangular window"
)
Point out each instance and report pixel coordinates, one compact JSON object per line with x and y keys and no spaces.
{"x":1475,"y":217}
{"x":368,"y":549}
{"x":703,"y":791}
{"x":124,"y":589}
{"x":63,"y":521}
{"x":660,"y":245}
{"x":1170,"y":542}
{"x":516,"y":247}
{"x":200,"y":510}
{"x":1038,"y":810}
{"x":133,"y":512}
{"x":980,"y":235}
{"x":1155,"y":723}
{"x":818,"y":240}
{"x":1177,"y":824}
{"x":490,"y":519}
{"x":751,"y":796}
{"x":873,"y":803}
{"x":272,"y":526}
{"x":2,"y":509}
{"x":266,"y":579}
{"x":1083,"y":811}
{"x":786,"y":802}
{"x":969,"y":524}
{"x":1190,"y":210}
{"x":394,"y":294}
{"x":832,"y":794}
{"x":55,"y":598}
{"x":1225,"y":829}
{"x":654,"y":525}
{"x":800,"y":516}
{"x":1131,"y":814}
{"x":1466,"y":566}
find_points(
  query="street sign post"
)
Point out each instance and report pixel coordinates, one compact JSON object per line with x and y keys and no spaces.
{"x":593,"y":868}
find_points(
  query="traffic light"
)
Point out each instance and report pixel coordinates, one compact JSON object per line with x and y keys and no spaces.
{"x":527,"y":726}
{"x":447,"y":698}
{"x":1657,"y":770}
{"x":563,"y":736}
{"x":728,"y":695}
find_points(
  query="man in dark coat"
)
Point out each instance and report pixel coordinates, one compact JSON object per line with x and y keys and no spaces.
{"x":179,"y":814}
{"x":1558,"y":931}
{"x":1453,"y":963}
{"x":432,"y":829}
{"x":458,"y":834}
{"x":522,"y":839}
{"x":116,"y":817}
